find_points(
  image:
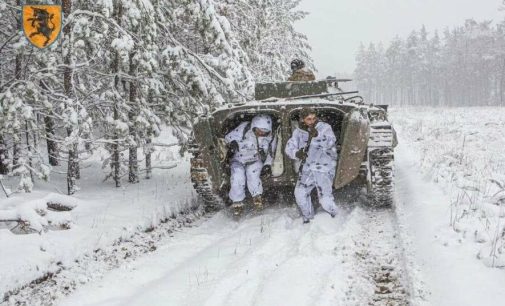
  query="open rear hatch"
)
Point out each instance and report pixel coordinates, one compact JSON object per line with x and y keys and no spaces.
{"x":355,"y":132}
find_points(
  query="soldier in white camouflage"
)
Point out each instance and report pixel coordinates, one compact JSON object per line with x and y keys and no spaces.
{"x":250,"y":147}
{"x":313,"y":144}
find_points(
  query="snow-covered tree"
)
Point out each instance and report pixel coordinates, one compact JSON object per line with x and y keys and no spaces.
{"x":121,"y":68}
{"x":265,"y":30}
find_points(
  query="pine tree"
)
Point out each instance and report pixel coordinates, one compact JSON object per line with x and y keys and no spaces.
{"x":266,"y":33}
{"x":121,"y":68}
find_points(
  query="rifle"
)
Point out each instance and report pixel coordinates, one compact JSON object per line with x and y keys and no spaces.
{"x":225,"y":166}
{"x":306,"y":151}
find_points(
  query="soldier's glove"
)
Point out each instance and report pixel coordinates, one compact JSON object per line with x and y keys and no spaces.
{"x":266,"y":172}
{"x":301,"y":155}
{"x":313,"y":132}
{"x":233,"y":147}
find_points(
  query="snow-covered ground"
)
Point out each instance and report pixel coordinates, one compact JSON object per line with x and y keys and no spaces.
{"x":442,"y":264}
{"x":451,"y":223}
{"x":440,"y":245}
{"x":271,"y":259}
{"x":462,"y":149}
{"x":103,"y":214}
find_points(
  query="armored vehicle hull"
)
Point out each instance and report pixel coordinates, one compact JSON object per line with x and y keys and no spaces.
{"x":366,"y":140}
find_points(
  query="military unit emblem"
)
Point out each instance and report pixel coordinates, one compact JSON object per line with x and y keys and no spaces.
{"x":42,"y":24}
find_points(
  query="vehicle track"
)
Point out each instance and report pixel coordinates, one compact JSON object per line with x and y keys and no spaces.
{"x":272,"y":259}
{"x":377,"y":255}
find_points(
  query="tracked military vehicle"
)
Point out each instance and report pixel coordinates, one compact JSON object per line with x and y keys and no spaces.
{"x":365,"y":144}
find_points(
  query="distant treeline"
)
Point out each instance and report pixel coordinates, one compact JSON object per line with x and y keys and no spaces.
{"x":463,"y":66}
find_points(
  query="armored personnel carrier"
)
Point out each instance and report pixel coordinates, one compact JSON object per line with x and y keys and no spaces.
{"x":365,"y":144}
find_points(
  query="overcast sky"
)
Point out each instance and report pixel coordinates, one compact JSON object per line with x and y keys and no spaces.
{"x":335,"y":28}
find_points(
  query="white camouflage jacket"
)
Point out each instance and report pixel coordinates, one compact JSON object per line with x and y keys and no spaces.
{"x":322,"y":154}
{"x":248,"y":142}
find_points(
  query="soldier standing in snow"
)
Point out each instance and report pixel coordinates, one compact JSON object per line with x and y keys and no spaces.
{"x":313,"y":144}
{"x":250,"y":153}
{"x":299,"y":72}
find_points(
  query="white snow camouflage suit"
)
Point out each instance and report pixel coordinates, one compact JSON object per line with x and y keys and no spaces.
{"x":246,"y":164}
{"x":318,"y":170}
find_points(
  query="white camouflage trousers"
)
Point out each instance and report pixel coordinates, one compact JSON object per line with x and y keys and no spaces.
{"x":323,"y":182}
{"x":242,"y":175}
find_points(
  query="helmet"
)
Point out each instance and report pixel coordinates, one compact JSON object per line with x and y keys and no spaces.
{"x":297,"y":64}
{"x":262,"y":122}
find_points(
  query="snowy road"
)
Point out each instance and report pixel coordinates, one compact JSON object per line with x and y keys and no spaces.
{"x":271,"y":259}
{"x":411,"y":254}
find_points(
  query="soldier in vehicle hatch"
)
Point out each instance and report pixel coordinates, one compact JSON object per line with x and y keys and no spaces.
{"x":300,"y":72}
{"x":250,"y":147}
{"x":313,"y":144}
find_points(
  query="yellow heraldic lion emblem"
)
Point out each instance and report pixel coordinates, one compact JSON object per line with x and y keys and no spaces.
{"x":42,"y":24}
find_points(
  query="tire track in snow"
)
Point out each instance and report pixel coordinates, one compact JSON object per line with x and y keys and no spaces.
{"x":223,"y":241}
{"x":316,"y":254}
{"x":273,"y":259}
{"x":261,"y":263}
{"x":375,"y":255}
{"x":281,"y":253}
{"x":228,"y":280}
{"x":307,"y":270}
{"x":238,"y":277}
{"x":300,"y":245}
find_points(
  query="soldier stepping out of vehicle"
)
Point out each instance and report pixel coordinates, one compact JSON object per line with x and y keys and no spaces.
{"x":300,"y":72}
{"x":250,"y":147}
{"x":313,"y":144}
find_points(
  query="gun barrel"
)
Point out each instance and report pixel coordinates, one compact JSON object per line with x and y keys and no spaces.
{"x":325,"y":95}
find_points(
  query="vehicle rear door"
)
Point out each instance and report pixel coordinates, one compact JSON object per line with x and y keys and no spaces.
{"x":354,"y":140}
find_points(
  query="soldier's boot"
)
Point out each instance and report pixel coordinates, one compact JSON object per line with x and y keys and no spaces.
{"x":258,"y":203}
{"x":237,"y":208}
